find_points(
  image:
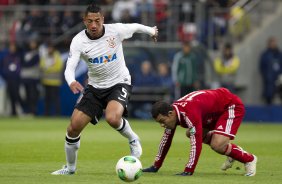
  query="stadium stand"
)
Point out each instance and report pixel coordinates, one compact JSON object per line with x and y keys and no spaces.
{"x":210,"y":23}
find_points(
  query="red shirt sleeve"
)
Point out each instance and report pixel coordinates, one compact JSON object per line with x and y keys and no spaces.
{"x":195,"y":149}
{"x":164,"y":147}
{"x":189,"y":116}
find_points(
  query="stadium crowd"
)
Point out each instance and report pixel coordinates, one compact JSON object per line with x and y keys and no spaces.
{"x":51,"y":23}
{"x":29,"y":57}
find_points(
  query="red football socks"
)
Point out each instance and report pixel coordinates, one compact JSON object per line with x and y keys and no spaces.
{"x":240,"y":155}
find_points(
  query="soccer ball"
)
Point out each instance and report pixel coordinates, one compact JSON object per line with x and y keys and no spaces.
{"x":129,"y":168}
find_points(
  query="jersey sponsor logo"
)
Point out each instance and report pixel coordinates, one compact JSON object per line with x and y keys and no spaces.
{"x":103,"y":59}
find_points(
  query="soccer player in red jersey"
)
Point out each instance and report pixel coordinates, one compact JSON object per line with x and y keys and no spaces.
{"x":210,"y":116}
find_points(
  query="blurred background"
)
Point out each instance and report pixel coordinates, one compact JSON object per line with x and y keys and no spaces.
{"x":202,"y":44}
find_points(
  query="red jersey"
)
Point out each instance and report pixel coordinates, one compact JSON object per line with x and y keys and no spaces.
{"x":217,"y":110}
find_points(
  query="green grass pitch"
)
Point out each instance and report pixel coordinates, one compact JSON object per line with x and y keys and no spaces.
{"x":30,"y":149}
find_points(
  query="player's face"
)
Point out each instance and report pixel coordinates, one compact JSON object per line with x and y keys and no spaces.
{"x":168,"y":121}
{"x":94,"y":24}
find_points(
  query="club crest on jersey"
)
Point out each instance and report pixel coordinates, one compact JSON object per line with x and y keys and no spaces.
{"x":111,"y":42}
{"x":103,"y":59}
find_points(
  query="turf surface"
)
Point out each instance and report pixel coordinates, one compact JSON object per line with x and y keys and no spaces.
{"x":30,"y":149}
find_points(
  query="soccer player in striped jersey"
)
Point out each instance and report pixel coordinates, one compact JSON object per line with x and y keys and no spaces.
{"x":210,"y":116}
{"x":109,"y":82}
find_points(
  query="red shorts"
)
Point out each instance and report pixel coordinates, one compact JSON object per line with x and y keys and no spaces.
{"x":229,"y":122}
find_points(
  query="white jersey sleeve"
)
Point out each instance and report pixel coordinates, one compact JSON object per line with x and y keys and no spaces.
{"x":73,"y":60}
{"x":127,"y":30}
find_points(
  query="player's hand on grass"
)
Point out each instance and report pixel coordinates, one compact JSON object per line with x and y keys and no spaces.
{"x":185,"y":174}
{"x":155,"y":36}
{"x":76,"y":87}
{"x":151,"y":169}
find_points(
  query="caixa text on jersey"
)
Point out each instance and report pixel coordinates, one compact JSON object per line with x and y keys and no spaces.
{"x":103,"y":59}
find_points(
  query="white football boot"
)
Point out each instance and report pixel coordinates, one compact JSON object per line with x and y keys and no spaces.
{"x":227,"y":164}
{"x":251,"y":167}
{"x":63,"y":171}
{"x":135,"y":148}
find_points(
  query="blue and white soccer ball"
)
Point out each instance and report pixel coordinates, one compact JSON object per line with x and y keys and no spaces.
{"x":129,"y":168}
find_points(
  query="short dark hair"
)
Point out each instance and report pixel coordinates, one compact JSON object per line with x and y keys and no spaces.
{"x":160,"y":107}
{"x":92,"y":8}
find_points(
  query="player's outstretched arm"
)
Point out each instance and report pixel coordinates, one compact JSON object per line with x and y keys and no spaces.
{"x":127,"y":30}
{"x":76,"y":87}
{"x":151,"y":169}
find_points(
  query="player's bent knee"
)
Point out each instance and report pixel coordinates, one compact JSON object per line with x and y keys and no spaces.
{"x":75,"y":128}
{"x":73,"y":131}
{"x":217,"y":149}
{"x":219,"y":143}
{"x":218,"y":146}
{"x":113,"y":120}
{"x":78,"y":121}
